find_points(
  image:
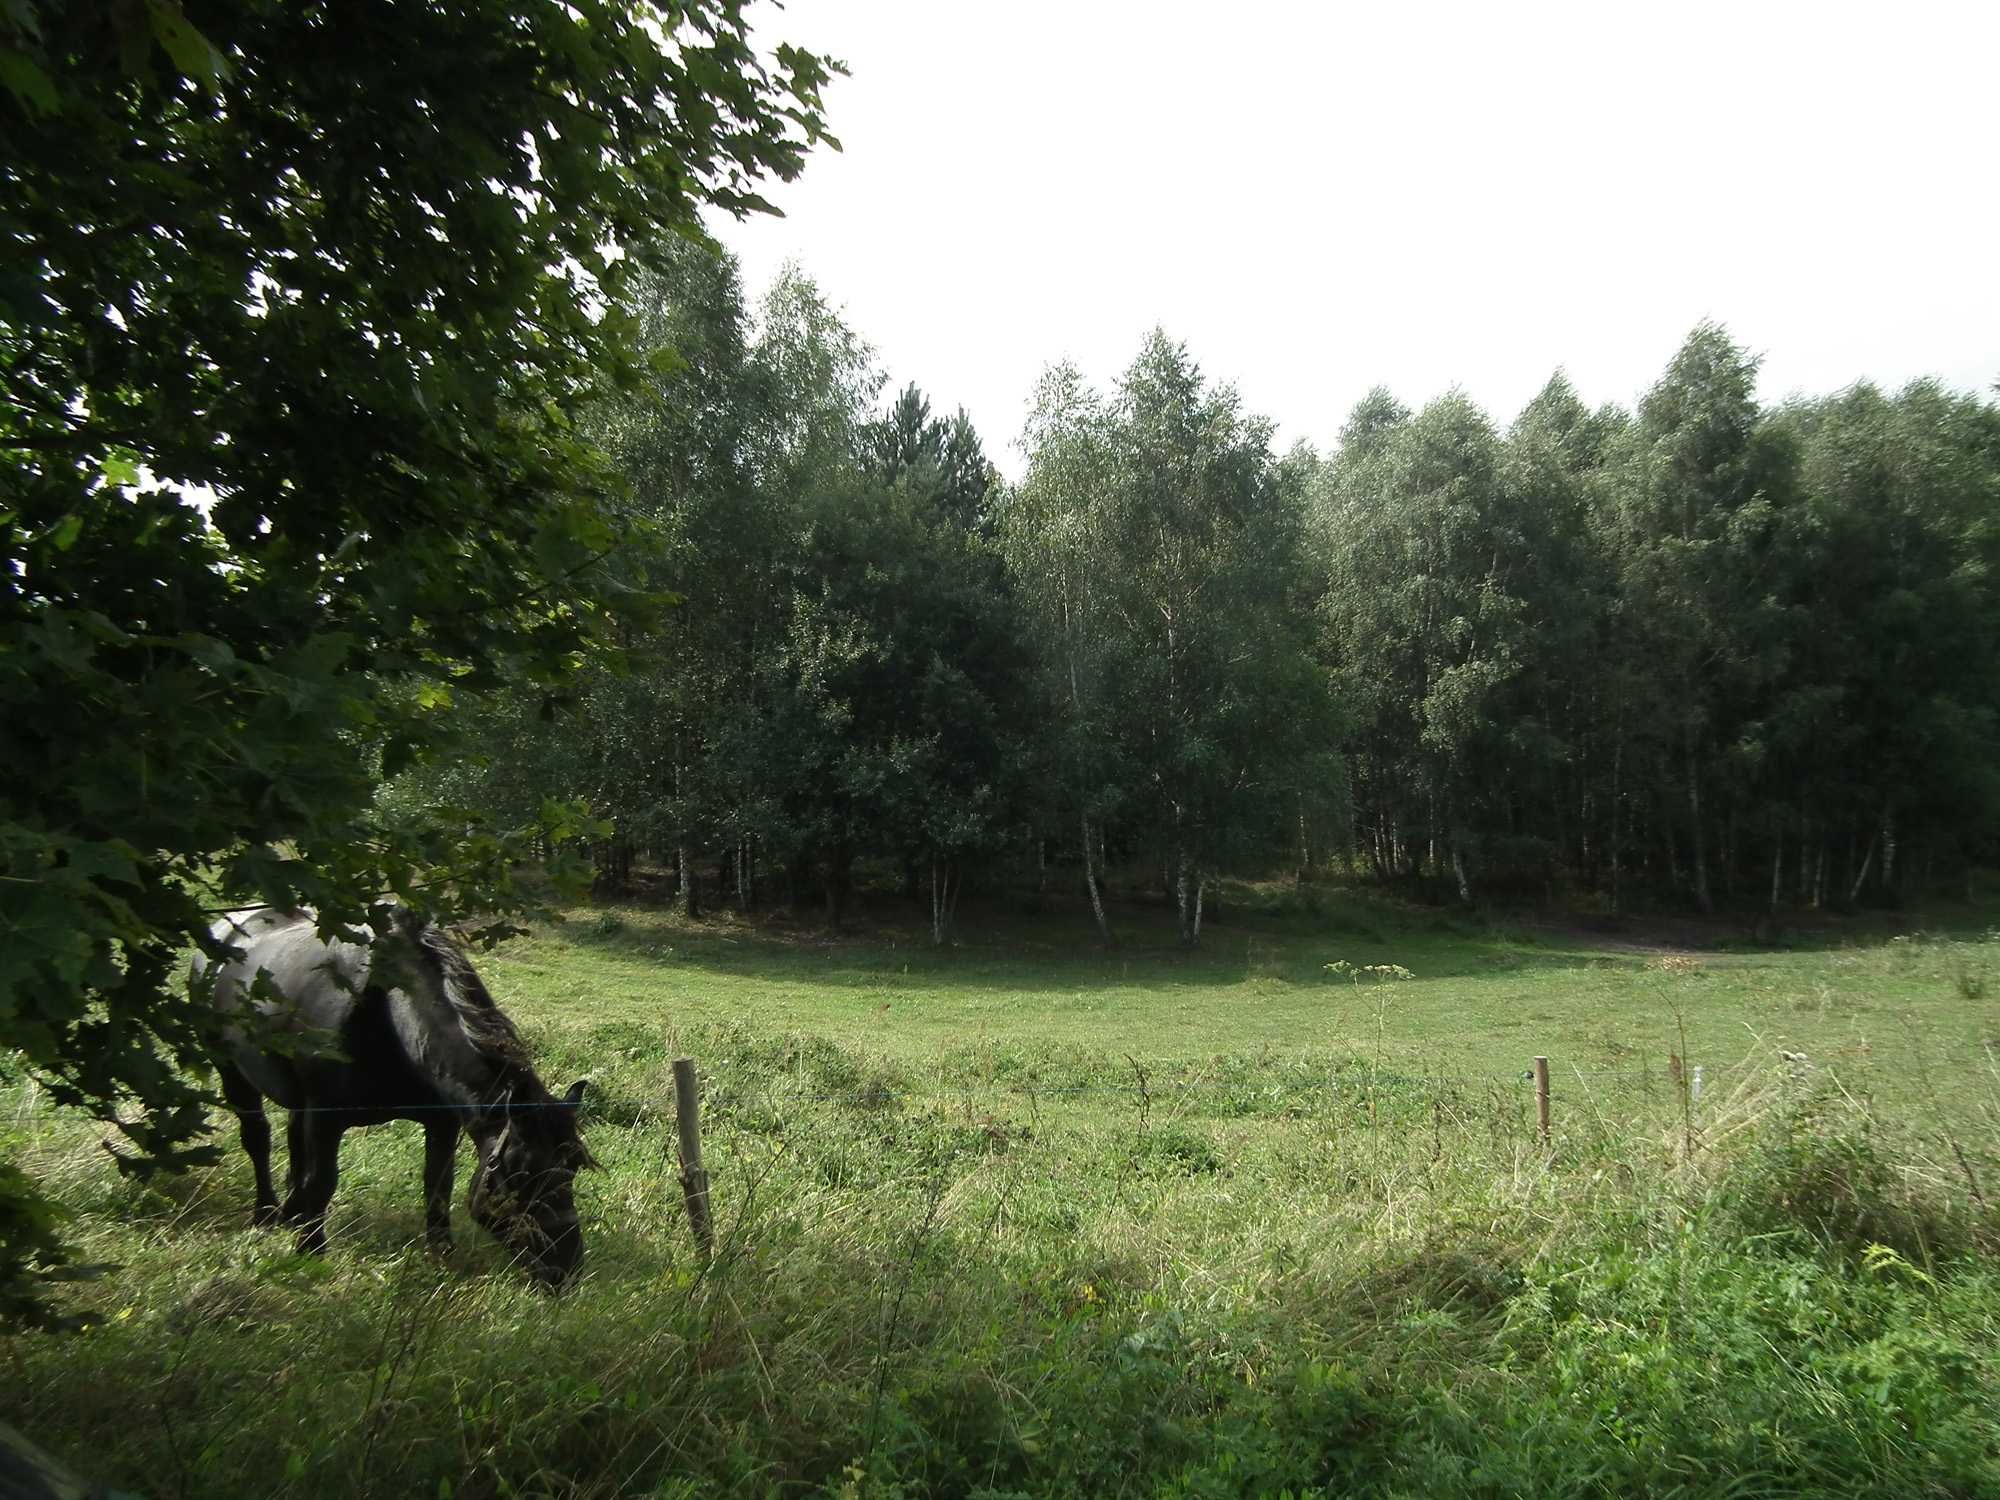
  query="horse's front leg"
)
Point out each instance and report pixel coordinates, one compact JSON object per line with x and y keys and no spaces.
{"x":254,"y":1129}
{"x":315,"y":1170}
{"x":440,"y":1160}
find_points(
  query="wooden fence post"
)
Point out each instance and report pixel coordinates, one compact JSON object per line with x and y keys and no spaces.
{"x":1542,"y":1097}
{"x":694,"y":1177}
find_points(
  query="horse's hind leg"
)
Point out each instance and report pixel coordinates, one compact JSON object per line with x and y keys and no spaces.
{"x":254,"y":1128}
{"x":315,"y":1170}
{"x":440,"y":1158}
{"x":296,"y":1151}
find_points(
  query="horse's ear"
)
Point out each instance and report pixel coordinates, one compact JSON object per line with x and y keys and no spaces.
{"x":574,"y":1097}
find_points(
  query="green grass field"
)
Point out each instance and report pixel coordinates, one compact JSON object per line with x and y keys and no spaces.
{"x":1023,"y":1216}
{"x":1899,"y":1014}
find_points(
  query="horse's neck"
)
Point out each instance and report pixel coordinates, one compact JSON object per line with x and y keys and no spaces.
{"x":437,"y":1044}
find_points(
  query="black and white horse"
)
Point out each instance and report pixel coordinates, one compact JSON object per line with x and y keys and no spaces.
{"x":397,"y":1028}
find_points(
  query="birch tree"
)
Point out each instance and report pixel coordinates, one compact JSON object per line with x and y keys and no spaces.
{"x":1204,"y":544}
{"x":1052,"y":534}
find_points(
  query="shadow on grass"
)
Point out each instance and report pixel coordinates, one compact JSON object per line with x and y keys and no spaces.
{"x":1004,"y":948}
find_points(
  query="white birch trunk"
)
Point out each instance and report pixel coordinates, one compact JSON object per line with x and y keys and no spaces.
{"x":1697,"y":853}
{"x":1861,"y":875}
{"x":1090,"y":857}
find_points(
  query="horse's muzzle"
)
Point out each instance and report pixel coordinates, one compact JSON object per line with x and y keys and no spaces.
{"x":558,"y":1263}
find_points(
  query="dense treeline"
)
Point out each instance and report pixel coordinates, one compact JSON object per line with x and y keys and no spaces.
{"x":1700,"y":652}
{"x":1729,"y":654}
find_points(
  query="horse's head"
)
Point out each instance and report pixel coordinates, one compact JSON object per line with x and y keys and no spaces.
{"x":522,"y":1188}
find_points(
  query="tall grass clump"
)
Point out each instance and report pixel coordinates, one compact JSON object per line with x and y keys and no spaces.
{"x":1819,"y":1169}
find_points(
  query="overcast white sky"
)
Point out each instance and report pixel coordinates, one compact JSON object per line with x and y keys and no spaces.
{"x":1319,"y":198}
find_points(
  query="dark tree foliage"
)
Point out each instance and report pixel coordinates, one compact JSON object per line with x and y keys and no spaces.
{"x":297,"y":302}
{"x":842,"y":686}
{"x":941,"y":460}
{"x":1706,"y":653}
{"x":1700,"y":653}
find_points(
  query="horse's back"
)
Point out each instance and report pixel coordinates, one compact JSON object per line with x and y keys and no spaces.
{"x":313,"y":987}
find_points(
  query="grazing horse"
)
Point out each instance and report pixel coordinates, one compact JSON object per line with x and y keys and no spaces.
{"x":397,"y":1028}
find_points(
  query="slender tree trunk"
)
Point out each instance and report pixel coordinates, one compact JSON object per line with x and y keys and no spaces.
{"x":1617,"y":815}
{"x":683,"y":854}
{"x":1090,"y":854}
{"x":1777,"y":866}
{"x":613,"y":872}
{"x":690,"y":882}
{"x":1861,"y":876}
{"x":839,"y":879}
{"x":1673,"y":853}
{"x":1696,"y":851}
{"x":1458,"y":871}
{"x":1888,"y":845}
{"x":1200,"y":888}
{"x":1558,"y":795}
{"x":1181,"y":902}
{"x":1586,"y":873}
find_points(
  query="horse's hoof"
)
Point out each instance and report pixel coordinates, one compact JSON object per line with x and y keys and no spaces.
{"x":265,"y":1216}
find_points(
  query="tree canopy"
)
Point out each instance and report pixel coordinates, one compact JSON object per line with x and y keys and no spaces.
{"x":299,"y":307}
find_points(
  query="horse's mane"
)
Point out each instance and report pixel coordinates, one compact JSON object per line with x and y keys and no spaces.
{"x":485,"y":1025}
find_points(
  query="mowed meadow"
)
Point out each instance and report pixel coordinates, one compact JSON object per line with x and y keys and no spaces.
{"x":1024,"y":1215}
